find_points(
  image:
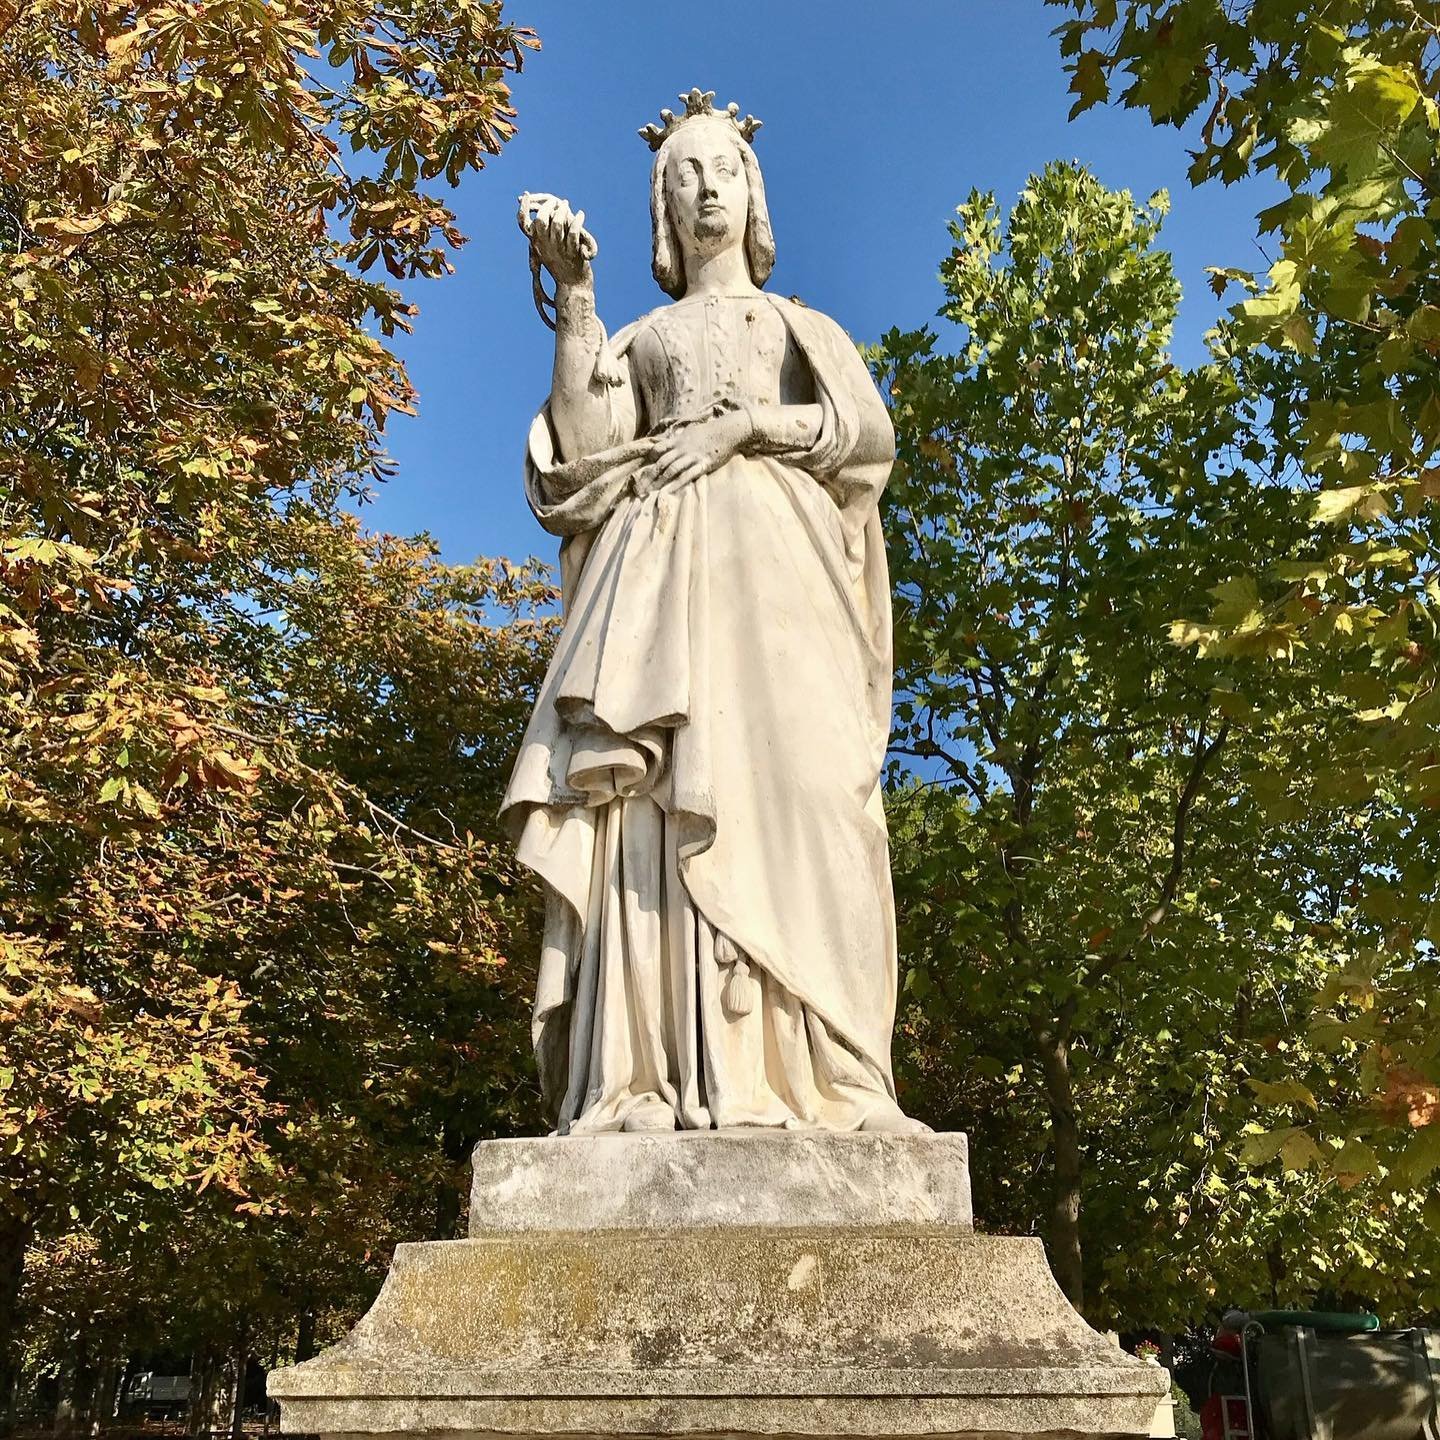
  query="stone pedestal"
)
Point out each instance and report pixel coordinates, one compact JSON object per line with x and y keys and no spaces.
{"x":722,"y":1284}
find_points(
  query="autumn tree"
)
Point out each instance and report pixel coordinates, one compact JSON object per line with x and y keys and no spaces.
{"x":243,"y":823}
{"x":1338,"y":103}
{"x":1097,"y":905}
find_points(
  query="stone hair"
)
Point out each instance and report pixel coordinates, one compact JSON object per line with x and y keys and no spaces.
{"x":666,"y":261}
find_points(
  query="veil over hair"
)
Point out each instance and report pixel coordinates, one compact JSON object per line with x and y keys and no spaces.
{"x":666,"y":262}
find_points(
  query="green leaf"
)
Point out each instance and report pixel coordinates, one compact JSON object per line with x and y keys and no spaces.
{"x":1283,"y":1092}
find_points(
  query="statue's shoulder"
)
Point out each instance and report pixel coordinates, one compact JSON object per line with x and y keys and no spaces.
{"x":791,"y":305}
{"x":627,"y":336}
{"x":811,"y":324}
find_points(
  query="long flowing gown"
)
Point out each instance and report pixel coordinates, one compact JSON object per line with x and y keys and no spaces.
{"x":699,"y":784}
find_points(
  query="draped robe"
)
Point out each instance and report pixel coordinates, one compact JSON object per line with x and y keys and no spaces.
{"x":698,"y":787}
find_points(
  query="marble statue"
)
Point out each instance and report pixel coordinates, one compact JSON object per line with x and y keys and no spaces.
{"x":698,"y":788}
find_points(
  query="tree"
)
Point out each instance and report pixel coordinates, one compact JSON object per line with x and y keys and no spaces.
{"x":193,"y":386}
{"x":1343,"y":337}
{"x":386,"y":1026}
{"x":1097,"y":906}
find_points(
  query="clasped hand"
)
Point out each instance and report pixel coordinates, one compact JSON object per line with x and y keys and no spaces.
{"x":693,"y":448}
{"x":557,"y":234}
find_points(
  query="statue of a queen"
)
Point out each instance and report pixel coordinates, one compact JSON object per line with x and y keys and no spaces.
{"x":698,"y":788}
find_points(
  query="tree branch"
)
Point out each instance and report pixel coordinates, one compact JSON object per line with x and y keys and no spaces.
{"x":1202,"y":757}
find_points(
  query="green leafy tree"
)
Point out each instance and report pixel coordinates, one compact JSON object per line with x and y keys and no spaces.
{"x":1339,"y":104}
{"x":1098,"y":901}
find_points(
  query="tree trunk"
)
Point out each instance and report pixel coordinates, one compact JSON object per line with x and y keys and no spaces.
{"x":220,"y":1402}
{"x":65,"y":1397}
{"x":14,"y":1238}
{"x":450,"y":1197}
{"x":77,"y":1385}
{"x":107,"y":1381}
{"x":1275,"y":1266}
{"x":305,"y":1347}
{"x":122,"y":1392}
{"x":1065,"y":1254}
{"x":269,"y":1403}
{"x":241,"y":1366}
{"x":201,"y":1372}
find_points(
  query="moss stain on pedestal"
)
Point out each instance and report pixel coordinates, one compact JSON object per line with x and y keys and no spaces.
{"x":893,"y":1328}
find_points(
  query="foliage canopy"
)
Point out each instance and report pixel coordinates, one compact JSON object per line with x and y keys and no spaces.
{"x":1107,"y":925}
{"x":252,"y":919}
{"x":1341,"y":104}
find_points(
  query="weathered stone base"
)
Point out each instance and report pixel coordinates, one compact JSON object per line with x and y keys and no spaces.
{"x":887,"y":1328}
{"x":705,"y":1178}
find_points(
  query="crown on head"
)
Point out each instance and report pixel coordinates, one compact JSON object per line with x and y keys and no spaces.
{"x":699,"y":105}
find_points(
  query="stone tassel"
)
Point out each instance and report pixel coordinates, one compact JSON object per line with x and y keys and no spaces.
{"x":607,"y":367}
{"x":741,"y":989}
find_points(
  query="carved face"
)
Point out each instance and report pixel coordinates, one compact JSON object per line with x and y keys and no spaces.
{"x":706,"y":191}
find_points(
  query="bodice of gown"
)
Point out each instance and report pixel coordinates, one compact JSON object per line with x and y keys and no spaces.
{"x":716,"y":350}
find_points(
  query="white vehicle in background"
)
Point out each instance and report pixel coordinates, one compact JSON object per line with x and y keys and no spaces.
{"x":158,"y":1397}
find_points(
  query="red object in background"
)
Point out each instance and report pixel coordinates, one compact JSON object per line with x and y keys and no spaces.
{"x":1226,"y":1417}
{"x":1228,"y":1342}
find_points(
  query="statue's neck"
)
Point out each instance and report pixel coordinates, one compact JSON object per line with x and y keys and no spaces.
{"x":725,"y":273}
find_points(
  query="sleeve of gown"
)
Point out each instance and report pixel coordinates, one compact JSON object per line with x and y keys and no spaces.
{"x":569,"y":497}
{"x":621,"y":424}
{"x":853,"y":454}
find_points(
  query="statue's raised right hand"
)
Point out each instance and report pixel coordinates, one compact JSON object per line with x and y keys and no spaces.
{"x":558,"y":236}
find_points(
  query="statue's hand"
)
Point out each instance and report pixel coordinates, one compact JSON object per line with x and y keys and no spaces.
{"x":559,"y":236}
{"x":699,"y":447}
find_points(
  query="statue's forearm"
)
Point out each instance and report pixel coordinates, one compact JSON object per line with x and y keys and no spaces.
{"x":784,"y":427}
{"x":579,"y":406}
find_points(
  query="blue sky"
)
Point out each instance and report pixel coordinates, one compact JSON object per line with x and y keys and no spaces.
{"x":879,"y":120}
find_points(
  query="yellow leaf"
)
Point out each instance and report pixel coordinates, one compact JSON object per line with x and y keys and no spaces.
{"x":118,"y":45}
{"x":69,"y":224}
{"x":1299,"y":1152}
{"x":1367,"y":500}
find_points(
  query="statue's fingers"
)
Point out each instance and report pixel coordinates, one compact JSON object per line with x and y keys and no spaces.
{"x":544,"y":211}
{"x":560,"y":235}
{"x":673,"y":464}
{"x":575,"y":235}
{"x":588,"y":248}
